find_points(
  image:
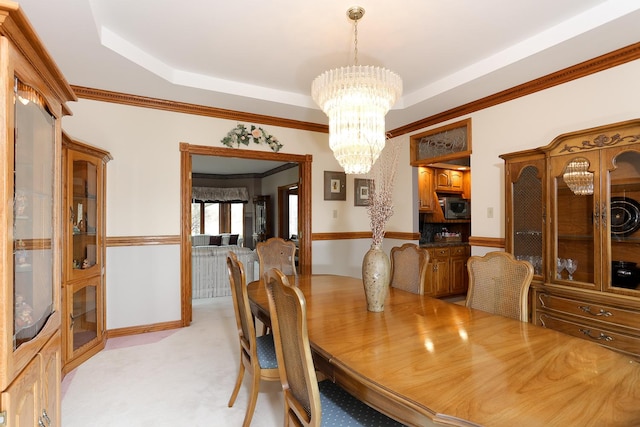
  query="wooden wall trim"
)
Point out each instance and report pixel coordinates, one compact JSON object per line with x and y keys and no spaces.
{"x":142,"y":240}
{"x":490,"y":242}
{"x":175,"y":240}
{"x":134,"y":330}
{"x":347,"y":235}
{"x":199,"y":110}
{"x":583,"y":69}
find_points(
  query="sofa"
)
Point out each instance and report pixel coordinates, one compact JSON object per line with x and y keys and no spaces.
{"x":209,"y":276}
{"x":224,"y":239}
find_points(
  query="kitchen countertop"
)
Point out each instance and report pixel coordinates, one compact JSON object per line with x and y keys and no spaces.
{"x":441,"y":244}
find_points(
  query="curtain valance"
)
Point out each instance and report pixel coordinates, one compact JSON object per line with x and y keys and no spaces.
{"x":214,"y":194}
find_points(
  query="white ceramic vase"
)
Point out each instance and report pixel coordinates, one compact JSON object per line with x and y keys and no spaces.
{"x":375,"y":277}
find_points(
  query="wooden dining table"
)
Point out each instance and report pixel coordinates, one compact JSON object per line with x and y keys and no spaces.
{"x":426,"y":362}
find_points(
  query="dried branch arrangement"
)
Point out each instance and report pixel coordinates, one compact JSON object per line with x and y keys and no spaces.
{"x":383,"y":176}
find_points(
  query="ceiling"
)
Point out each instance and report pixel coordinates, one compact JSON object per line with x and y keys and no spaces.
{"x":261,"y":56}
{"x":231,"y":165}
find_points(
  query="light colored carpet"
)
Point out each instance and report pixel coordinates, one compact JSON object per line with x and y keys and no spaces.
{"x":173,"y":378}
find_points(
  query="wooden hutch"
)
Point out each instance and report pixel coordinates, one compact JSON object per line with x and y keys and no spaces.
{"x":573,"y":211}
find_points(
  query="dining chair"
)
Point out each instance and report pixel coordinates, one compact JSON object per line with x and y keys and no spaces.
{"x":308,"y":402}
{"x":257,"y":354}
{"x":277,"y":253}
{"x":499,"y":284}
{"x":409,"y":267}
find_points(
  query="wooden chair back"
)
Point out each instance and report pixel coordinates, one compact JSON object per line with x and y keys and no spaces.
{"x":244,"y":318}
{"x":287,"y":309}
{"x":250,"y":345}
{"x":277,"y":253}
{"x":499,"y":284}
{"x":409,"y":267}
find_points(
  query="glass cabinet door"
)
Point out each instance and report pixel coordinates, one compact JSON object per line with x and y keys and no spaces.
{"x":261,"y":208}
{"x":85,"y":319}
{"x":527,"y":215}
{"x":33,"y":213}
{"x":622,"y":232}
{"x":576,"y":223}
{"x":84,"y":254}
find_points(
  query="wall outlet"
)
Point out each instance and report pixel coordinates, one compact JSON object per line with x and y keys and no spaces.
{"x":335,"y":213}
{"x":489,"y":212}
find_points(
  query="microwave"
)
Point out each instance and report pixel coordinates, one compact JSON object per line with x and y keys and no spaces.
{"x":455,"y":207}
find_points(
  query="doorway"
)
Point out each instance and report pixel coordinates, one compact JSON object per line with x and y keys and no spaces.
{"x":288,"y":211}
{"x":304,"y":209}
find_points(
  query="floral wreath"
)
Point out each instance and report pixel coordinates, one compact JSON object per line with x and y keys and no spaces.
{"x":240,"y":135}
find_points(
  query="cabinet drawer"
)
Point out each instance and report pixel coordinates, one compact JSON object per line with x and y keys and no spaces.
{"x":459,"y":251}
{"x":599,"y":312}
{"x":621,"y":342}
{"x":439,"y":253}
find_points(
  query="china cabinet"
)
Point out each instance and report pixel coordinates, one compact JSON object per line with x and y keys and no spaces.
{"x":33,"y":96}
{"x":573,"y":211}
{"x":83,"y":294}
{"x":262,"y":209}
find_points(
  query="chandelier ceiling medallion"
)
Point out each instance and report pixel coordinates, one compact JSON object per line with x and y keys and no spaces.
{"x":356,"y":99}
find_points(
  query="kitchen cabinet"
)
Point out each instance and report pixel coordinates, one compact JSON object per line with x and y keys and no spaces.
{"x":83,"y":310}
{"x":447,"y":270}
{"x":458,"y":273}
{"x":33,"y":97}
{"x":426,"y":195}
{"x":588,"y":185}
{"x":447,"y":180}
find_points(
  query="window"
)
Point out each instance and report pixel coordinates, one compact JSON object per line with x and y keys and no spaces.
{"x":217,"y":218}
{"x":212,"y":218}
{"x":237,"y":218}
{"x":195,"y":218}
{"x":293,"y":214}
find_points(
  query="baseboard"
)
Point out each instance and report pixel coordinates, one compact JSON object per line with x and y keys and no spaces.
{"x":143,"y":329}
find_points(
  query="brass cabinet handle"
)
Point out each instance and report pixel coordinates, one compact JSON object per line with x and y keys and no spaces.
{"x":46,"y":417}
{"x":601,"y":337}
{"x":587,"y":309}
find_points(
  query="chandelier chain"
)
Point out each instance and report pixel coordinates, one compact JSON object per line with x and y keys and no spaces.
{"x":355,"y":41}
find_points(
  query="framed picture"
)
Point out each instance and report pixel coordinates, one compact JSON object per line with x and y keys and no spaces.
{"x":335,"y":185}
{"x":361,"y":190}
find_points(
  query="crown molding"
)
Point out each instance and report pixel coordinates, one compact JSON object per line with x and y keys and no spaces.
{"x":199,"y":110}
{"x":583,"y":69}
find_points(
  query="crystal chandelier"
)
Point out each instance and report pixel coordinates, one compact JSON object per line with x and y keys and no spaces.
{"x":356,"y":99}
{"x":578,"y":178}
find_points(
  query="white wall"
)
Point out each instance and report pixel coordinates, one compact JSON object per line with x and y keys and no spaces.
{"x":534,"y":121}
{"x":143,"y":195}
